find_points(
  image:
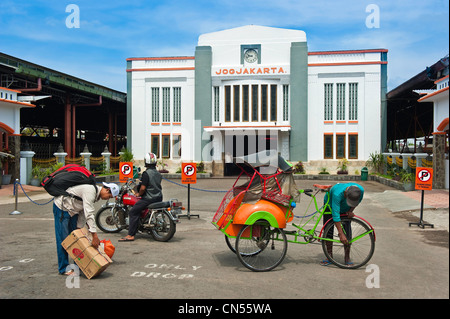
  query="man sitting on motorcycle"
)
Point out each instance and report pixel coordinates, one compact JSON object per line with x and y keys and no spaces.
{"x":149,"y":190}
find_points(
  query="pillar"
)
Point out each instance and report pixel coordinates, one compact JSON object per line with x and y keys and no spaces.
{"x":26,"y":164}
{"x":87,"y":157}
{"x":439,"y":160}
{"x":106,"y":155}
{"x":68,"y":126}
{"x":60,"y":155}
{"x":203,"y":97}
{"x":298,"y":142}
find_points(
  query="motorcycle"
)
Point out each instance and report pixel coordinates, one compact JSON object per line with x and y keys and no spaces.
{"x":158,"y":219}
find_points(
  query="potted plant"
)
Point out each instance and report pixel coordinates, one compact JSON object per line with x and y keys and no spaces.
{"x":36,"y":176}
{"x":342,"y":168}
{"x":163,"y":167}
{"x":5,"y":157}
{"x":201,"y":167}
{"x":126,"y":155}
{"x":408,"y":181}
{"x":299,"y":168}
{"x":376,"y":161}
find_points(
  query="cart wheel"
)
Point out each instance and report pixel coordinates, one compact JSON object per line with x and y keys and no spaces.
{"x":231,"y":243}
{"x":260,"y":247}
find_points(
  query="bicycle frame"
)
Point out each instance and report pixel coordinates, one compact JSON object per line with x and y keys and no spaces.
{"x":316,"y":217}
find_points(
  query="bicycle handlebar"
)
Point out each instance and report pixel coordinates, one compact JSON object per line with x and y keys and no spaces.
{"x":318,"y":187}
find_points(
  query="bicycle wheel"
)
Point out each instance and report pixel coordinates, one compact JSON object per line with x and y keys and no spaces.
{"x":261,"y":247}
{"x":361,"y":244}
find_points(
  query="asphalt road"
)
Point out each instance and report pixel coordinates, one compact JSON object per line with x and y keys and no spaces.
{"x":196,"y":264}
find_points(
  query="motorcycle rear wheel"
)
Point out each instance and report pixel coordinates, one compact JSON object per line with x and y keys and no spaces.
{"x":163,"y":228}
{"x":107,"y":219}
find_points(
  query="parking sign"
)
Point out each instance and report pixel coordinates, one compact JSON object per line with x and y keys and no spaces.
{"x":188,"y":173}
{"x":424,"y":178}
{"x":126,"y":171}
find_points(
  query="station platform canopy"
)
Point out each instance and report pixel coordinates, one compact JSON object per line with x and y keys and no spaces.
{"x":69,"y":111}
{"x":407,"y":118}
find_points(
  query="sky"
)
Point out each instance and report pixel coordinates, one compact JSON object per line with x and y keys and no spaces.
{"x":44,"y":32}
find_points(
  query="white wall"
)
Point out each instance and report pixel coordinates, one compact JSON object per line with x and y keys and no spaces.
{"x":161,"y":73}
{"x":341,"y":70}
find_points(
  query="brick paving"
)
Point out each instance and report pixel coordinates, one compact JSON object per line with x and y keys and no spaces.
{"x":437,"y":198}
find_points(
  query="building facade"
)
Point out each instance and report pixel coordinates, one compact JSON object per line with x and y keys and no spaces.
{"x":255,"y":88}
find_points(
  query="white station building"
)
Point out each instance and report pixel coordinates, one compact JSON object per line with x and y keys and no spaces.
{"x":256,"y":88}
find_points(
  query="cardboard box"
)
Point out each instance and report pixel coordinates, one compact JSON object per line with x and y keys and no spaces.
{"x":91,"y":261}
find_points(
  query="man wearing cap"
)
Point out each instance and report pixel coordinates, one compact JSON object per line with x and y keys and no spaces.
{"x":344,"y":197}
{"x":77,"y":211}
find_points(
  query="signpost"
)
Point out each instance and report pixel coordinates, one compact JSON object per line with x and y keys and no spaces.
{"x":424,"y":181}
{"x":189,"y":176}
{"x":125,"y":171}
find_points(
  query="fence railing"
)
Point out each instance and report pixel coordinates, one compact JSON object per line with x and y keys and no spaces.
{"x":97,"y":165}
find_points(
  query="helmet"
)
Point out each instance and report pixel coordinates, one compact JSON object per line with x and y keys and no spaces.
{"x":150,"y":159}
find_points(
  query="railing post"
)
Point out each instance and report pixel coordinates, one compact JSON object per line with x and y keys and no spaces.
{"x":60,"y":155}
{"x":106,"y":155}
{"x":87,"y":157}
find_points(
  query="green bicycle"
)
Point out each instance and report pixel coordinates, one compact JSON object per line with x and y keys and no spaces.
{"x":360,"y":234}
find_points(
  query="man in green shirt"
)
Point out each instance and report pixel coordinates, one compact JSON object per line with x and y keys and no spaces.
{"x":344,"y":197}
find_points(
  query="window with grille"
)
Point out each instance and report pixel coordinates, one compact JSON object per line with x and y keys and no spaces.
{"x":328,"y":146}
{"x":328,"y":101}
{"x":166,"y":105}
{"x":176,"y":146}
{"x":340,"y":101}
{"x":255,"y":103}
{"x":353,"y":101}
{"x":155,"y":105}
{"x":216,"y":104}
{"x":237,"y":104}
{"x":177,"y":104}
{"x":264,"y":103}
{"x":273,"y":103}
{"x":245,"y":103}
{"x":285,"y":102}
{"x":353,"y":146}
{"x":166,"y":145}
{"x":155,"y":144}
{"x":340,"y":145}
{"x":227,"y":103}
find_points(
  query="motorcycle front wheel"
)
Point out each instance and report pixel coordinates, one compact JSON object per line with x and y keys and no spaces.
{"x":162,"y":226}
{"x":107,"y":219}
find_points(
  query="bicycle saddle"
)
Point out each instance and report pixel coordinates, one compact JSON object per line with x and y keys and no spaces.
{"x":159,"y":205}
{"x":324,"y":188}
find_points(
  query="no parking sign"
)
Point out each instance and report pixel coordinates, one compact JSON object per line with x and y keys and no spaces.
{"x":188,"y":173}
{"x":126,"y":171}
{"x":189,"y":176}
{"x":424,"y":178}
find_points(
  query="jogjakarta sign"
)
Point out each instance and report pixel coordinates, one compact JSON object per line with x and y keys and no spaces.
{"x":258,"y":70}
